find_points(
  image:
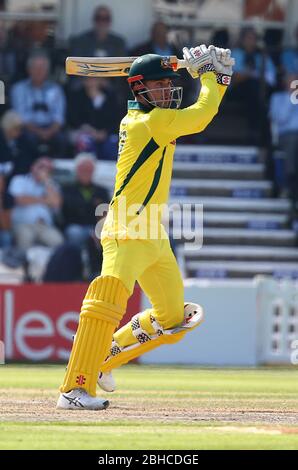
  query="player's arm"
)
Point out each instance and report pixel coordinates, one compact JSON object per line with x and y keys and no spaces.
{"x":168,"y":124}
{"x":205,"y":64}
{"x":223,"y":64}
{"x":196,"y":117}
{"x":201,"y":65}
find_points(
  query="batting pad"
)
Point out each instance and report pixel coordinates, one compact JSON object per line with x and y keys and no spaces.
{"x":135,"y":350}
{"x":121,"y":354}
{"x":103,"y":308}
{"x":143,"y":333}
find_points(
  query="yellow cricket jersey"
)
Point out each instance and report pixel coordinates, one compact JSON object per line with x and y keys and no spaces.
{"x":147,"y":142}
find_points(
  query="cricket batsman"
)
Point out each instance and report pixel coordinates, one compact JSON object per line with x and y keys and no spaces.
{"x":135,"y":244}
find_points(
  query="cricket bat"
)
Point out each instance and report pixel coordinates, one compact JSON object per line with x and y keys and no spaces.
{"x":110,"y":66}
{"x":115,"y":66}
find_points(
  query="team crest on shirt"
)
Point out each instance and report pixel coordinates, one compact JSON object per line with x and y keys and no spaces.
{"x":122,"y":140}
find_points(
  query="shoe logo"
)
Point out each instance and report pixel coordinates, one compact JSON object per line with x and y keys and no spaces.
{"x":74,"y":401}
{"x":81,"y":380}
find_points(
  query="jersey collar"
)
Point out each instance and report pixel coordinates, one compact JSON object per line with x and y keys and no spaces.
{"x":133,"y":104}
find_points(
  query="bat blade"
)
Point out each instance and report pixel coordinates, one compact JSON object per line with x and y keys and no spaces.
{"x":115,"y":66}
{"x":99,"y":66}
{"x":109,"y":66}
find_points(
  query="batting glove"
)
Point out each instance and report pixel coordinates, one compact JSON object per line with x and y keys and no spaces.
{"x":223,"y":63}
{"x":198,"y":60}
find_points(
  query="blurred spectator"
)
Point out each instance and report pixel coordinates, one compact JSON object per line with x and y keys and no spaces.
{"x":94,"y":114}
{"x":158,"y":43}
{"x":65,"y":265}
{"x":80,"y":201}
{"x":17,"y":152}
{"x":41,"y":105}
{"x":27,"y":36}
{"x":273,"y":42}
{"x":284,"y":118}
{"x":251,"y":62}
{"x":18,"y":42}
{"x":99,"y":41}
{"x":290,"y":57}
{"x":41,"y":37}
{"x":264,"y":9}
{"x":8,"y":60}
{"x":37,"y":199}
{"x":221,"y":38}
{"x":254,"y":77}
{"x":6,"y":203}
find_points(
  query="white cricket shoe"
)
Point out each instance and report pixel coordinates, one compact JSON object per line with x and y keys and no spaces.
{"x":79,"y":399}
{"x":106,"y":382}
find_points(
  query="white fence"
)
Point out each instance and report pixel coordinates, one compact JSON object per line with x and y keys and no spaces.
{"x":277,"y":312}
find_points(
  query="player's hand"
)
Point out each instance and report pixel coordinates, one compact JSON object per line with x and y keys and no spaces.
{"x":222,"y":59}
{"x":198,"y":60}
{"x":223,"y":64}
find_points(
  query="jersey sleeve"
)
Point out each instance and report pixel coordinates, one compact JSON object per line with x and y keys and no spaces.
{"x":168,"y":124}
{"x":222,"y":90}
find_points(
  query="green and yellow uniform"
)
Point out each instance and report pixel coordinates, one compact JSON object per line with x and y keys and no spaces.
{"x":143,"y":179}
{"x":146,"y":152}
{"x":144,"y":169}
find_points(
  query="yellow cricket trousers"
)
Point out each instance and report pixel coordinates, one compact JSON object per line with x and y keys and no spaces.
{"x":153,"y":265}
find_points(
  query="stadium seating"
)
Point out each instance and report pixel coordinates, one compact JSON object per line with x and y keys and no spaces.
{"x":245,"y":229}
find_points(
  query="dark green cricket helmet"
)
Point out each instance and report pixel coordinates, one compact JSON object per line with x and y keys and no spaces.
{"x":151,"y":67}
{"x":154,"y":67}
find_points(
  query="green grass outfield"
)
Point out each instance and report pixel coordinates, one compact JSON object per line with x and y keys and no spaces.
{"x":154,"y":408}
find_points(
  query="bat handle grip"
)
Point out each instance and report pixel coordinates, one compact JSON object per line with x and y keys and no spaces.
{"x":181,"y":64}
